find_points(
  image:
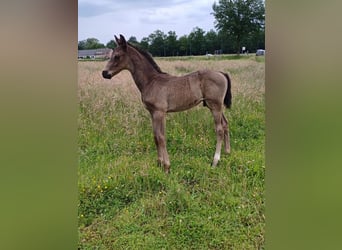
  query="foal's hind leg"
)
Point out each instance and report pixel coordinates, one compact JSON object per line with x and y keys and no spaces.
{"x":217,"y":113}
{"x":226,"y":134}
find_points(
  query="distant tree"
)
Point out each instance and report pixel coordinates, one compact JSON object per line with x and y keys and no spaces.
{"x":240,"y":19}
{"x":226,"y":42}
{"x":144,"y":43}
{"x":93,"y":43}
{"x":81,"y":45}
{"x":157,"y":43}
{"x":111,"y":44}
{"x":197,"y":41}
{"x":258,"y":40}
{"x":212,"y":42}
{"x":171,"y":44}
{"x":90,"y":43}
{"x":183,"y":45}
{"x":133,"y":40}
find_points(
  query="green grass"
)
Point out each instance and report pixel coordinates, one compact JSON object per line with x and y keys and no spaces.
{"x":127,"y":202}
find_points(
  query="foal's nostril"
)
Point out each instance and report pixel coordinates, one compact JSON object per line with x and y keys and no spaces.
{"x":105,"y":74}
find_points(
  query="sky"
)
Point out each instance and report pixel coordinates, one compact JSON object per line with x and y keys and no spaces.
{"x":102,"y":19}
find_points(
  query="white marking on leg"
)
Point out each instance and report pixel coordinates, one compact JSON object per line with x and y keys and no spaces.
{"x":217,"y":157}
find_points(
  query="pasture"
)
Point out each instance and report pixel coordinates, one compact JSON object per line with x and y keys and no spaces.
{"x":127,"y":202}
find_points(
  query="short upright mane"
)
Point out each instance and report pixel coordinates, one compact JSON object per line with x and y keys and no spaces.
{"x":148,"y":57}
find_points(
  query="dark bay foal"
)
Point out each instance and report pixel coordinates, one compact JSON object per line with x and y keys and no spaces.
{"x":162,"y":93}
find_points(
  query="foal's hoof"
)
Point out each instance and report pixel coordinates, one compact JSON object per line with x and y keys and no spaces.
{"x":167,"y":169}
{"x":214,"y":164}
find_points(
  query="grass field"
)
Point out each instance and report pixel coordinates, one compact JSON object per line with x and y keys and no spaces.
{"x":127,"y":202}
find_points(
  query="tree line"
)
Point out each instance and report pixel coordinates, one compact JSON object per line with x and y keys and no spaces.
{"x":239,"y":23}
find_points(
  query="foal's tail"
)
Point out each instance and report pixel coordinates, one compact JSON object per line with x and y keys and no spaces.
{"x":228,"y":96}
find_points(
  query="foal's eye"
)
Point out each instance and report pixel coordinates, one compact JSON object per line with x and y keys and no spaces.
{"x":116,"y":57}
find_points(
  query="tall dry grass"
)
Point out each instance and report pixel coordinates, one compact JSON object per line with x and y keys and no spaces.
{"x":247,"y":75}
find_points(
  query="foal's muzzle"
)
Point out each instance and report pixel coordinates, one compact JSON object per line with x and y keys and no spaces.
{"x":106,"y":75}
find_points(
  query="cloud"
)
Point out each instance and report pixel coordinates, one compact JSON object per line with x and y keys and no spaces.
{"x":103,"y":18}
{"x":90,"y":9}
{"x":159,"y":16}
{"x":180,"y":13}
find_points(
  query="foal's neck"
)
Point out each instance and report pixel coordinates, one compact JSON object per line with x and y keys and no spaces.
{"x":142,"y":71}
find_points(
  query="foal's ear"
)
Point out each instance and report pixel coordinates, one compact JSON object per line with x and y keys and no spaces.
{"x":123,"y":42}
{"x":117,"y":40}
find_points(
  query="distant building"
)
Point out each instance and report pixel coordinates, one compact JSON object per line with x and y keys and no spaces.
{"x":103,"y":53}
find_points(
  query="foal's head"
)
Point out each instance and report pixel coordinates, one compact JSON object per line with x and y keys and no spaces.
{"x":119,"y":59}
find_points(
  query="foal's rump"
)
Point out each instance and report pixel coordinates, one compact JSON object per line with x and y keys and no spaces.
{"x":215,"y":88}
{"x":185,"y":92}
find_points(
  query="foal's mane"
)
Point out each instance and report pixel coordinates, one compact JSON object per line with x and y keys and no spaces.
{"x":148,"y":57}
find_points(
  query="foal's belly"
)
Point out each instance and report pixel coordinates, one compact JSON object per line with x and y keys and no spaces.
{"x":181,"y":103}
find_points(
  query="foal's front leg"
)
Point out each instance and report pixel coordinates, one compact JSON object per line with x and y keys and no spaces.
{"x":158,"y":124}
